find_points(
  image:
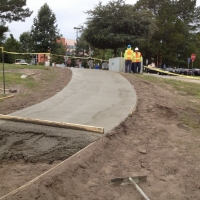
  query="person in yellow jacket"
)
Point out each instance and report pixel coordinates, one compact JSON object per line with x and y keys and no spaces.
{"x":136,"y":61}
{"x":128,"y":56}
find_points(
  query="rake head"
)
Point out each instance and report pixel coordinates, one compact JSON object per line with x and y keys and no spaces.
{"x":126,"y":181}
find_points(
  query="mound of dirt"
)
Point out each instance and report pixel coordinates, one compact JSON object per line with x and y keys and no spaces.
{"x":154,"y":141}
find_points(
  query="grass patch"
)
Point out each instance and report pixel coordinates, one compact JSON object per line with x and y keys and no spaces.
{"x":15,"y":67}
{"x":152,"y":79}
{"x":15,"y":79}
{"x":2,"y":95}
{"x":183,"y":87}
{"x":191,"y":104}
{"x":13,"y":75}
{"x":194,"y":123}
{"x":48,"y":76}
{"x":192,"y":89}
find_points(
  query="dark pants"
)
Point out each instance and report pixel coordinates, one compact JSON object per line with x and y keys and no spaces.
{"x":137,"y":67}
{"x":128,"y":64}
{"x":132,"y":68}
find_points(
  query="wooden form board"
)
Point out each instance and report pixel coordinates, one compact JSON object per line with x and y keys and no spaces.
{"x":53,"y":123}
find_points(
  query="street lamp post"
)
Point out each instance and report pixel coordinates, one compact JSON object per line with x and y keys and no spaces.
{"x":77,"y":30}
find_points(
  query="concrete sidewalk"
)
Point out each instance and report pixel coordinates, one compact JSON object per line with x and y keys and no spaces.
{"x":93,"y":97}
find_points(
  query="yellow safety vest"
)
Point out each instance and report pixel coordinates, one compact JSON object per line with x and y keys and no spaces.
{"x":137,"y":57}
{"x":128,"y":55}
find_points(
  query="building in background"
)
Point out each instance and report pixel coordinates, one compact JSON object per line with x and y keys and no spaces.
{"x":70,"y":47}
{"x":70,"y":50}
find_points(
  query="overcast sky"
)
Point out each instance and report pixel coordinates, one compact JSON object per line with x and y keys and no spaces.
{"x":69,"y":14}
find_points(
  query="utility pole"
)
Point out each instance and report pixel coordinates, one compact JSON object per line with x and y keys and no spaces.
{"x":77,"y":30}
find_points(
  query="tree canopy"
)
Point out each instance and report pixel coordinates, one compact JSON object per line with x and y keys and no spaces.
{"x":12,"y":10}
{"x":176,"y":22}
{"x":117,"y":24}
{"x":165,"y":30}
{"x":44,"y":31}
{"x":11,"y":44}
{"x":26,"y":42}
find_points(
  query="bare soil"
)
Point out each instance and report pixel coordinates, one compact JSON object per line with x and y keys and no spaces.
{"x":161,"y":140}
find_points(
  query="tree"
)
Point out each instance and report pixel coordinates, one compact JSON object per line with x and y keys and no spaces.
{"x":196,"y":20}
{"x":60,"y":51}
{"x":173,"y":31}
{"x":3,"y":29}
{"x":82,"y":47}
{"x":117,"y":24}
{"x":11,"y":45}
{"x":174,"y":20}
{"x":26,"y":42}
{"x":184,"y":9}
{"x":152,"y":6}
{"x":44,"y":32}
{"x":26,"y":45}
{"x":12,"y":10}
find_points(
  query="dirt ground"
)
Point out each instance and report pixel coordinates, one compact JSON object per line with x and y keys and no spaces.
{"x":161,"y":140}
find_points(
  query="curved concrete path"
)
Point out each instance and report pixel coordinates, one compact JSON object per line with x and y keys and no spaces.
{"x":93,"y":97}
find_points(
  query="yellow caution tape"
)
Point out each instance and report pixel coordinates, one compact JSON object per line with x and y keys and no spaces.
{"x":47,"y":53}
{"x":87,"y":58}
{"x":57,"y":55}
{"x":25,"y":53}
{"x":170,"y":73}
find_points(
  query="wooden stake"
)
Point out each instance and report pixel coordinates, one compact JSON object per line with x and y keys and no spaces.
{"x":7,"y":97}
{"x":53,"y":123}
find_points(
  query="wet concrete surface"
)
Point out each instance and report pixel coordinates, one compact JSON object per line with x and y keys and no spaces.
{"x":93,"y":97}
{"x":37,"y":143}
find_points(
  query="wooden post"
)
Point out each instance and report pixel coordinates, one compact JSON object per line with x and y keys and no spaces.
{"x":53,"y":123}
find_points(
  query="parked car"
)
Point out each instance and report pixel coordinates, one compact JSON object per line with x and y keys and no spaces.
{"x":152,"y":71}
{"x":161,"y":71}
{"x":196,"y":72}
{"x":169,"y":69}
{"x":187,"y":72}
{"x":20,"y":62}
{"x":179,"y":70}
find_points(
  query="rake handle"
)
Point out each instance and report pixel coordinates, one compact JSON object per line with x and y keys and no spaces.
{"x":139,"y":189}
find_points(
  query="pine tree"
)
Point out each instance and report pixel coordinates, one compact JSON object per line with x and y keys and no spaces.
{"x":44,"y":32}
{"x":12,"y":10}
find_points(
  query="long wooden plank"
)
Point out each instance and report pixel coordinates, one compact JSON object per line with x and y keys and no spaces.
{"x":53,"y":123}
{"x":7,"y":97}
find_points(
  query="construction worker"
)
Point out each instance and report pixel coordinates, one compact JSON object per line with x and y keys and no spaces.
{"x":128,"y":56}
{"x":137,"y":58}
